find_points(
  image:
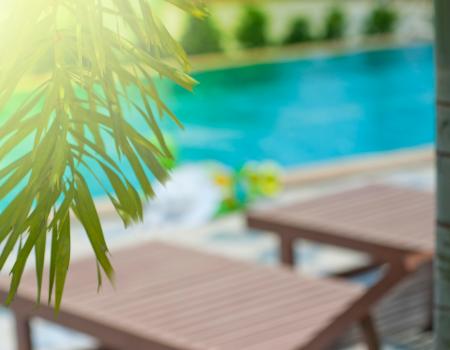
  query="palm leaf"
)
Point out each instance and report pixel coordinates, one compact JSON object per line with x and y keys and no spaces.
{"x":97,"y":51}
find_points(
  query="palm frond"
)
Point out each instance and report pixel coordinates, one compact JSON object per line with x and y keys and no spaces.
{"x":97,"y":50}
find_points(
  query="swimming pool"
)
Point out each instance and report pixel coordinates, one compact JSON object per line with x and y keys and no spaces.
{"x":308,"y":110}
{"x":301,"y":111}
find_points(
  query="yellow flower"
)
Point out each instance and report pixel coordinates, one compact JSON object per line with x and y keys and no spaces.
{"x":222,"y":180}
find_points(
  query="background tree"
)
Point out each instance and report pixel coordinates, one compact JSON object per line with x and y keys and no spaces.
{"x":299,"y":31}
{"x":382,"y":20}
{"x":442,"y":260}
{"x":252,"y":29}
{"x":201,"y":36}
{"x":55,"y":134}
{"x":335,"y":24}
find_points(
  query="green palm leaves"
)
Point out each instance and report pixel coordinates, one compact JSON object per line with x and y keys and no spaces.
{"x":96,"y":51}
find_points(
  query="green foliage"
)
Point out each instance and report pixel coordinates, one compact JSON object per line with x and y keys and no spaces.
{"x":252,"y":29}
{"x":201,"y":36}
{"x":299,"y":31}
{"x":240,"y":188}
{"x":57,"y":134}
{"x":335,"y":24}
{"x":382,"y":20}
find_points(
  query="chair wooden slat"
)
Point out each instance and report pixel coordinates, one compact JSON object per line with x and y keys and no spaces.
{"x":373,"y":217}
{"x":196,"y":301}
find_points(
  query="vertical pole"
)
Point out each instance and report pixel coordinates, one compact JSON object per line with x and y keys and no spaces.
{"x":23,"y":332}
{"x":442,"y":260}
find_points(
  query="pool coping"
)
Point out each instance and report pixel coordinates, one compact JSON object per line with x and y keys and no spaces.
{"x":373,"y":163}
{"x":341,"y":47}
{"x":360,"y":165}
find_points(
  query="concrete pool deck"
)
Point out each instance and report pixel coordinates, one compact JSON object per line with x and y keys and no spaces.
{"x":300,"y":51}
{"x":228,"y":236}
{"x":360,"y":165}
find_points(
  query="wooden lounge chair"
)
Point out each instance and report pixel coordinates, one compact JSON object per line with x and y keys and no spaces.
{"x":393,"y":225}
{"x":172,"y":298}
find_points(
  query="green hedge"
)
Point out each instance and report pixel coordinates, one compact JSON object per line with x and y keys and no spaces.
{"x":201,"y":36}
{"x":335,"y":24}
{"x":299,"y":31}
{"x":252,"y":28}
{"x":382,"y":20}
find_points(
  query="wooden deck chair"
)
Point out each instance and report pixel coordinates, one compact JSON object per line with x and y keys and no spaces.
{"x":393,"y":225}
{"x":172,"y":298}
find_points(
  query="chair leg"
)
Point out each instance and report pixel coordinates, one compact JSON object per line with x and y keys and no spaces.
{"x":287,"y":251}
{"x":23,"y":334}
{"x":430,"y":306}
{"x":429,"y":326}
{"x":104,"y":347}
{"x":370,"y":333}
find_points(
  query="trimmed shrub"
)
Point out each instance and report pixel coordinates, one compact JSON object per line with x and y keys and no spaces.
{"x":252,"y":28}
{"x":382,"y":20}
{"x":201,"y":36}
{"x":335,"y":24}
{"x":299,"y":31}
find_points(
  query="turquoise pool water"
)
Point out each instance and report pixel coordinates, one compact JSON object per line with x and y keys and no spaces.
{"x":302,"y":111}
{"x":309,"y":110}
